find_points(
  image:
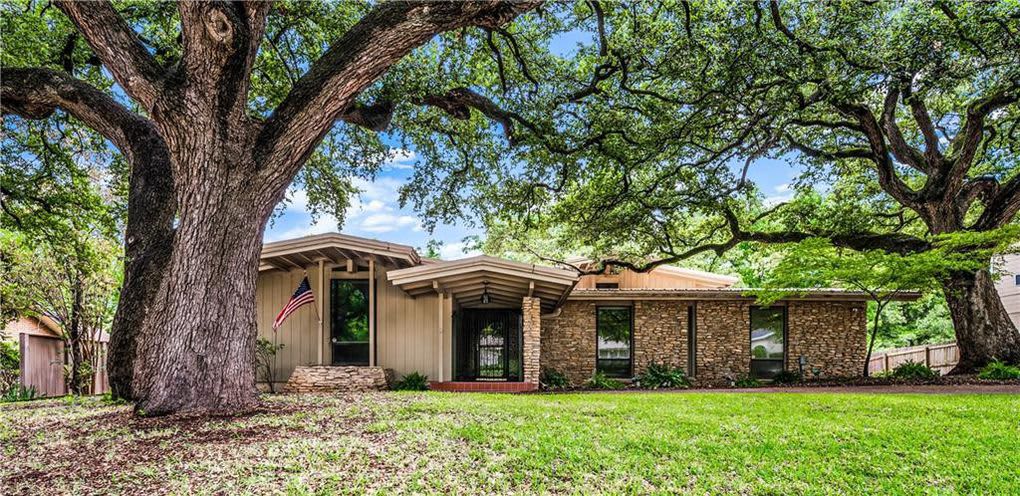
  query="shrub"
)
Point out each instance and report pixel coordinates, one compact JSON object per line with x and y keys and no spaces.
{"x":600,"y":381}
{"x":786,"y":377}
{"x":553,"y":379}
{"x":19,"y":393}
{"x":662,"y":376}
{"x":412,"y":382}
{"x":913,"y":370}
{"x":747,"y":382}
{"x":999,"y":371}
{"x":10,"y":366}
{"x":265,"y":355}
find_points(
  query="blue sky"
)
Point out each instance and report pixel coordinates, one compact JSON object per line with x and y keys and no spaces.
{"x":376,"y":212}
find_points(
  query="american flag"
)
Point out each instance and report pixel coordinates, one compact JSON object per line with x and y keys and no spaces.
{"x":302,"y":296}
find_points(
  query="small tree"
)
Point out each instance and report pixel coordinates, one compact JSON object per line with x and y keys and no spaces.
{"x":883,"y":276}
{"x":265,"y":359}
{"x":71,"y":280}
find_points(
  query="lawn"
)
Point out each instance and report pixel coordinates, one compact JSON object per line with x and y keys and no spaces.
{"x":778,"y":443}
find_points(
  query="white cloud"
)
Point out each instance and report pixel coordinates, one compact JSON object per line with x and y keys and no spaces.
{"x":454,"y":251}
{"x":782,"y":187}
{"x":400,"y":158}
{"x":384,"y":222}
{"x":324,"y":224}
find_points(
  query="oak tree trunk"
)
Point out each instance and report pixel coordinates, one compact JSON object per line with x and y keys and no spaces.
{"x":984,"y":331}
{"x":196,"y":347}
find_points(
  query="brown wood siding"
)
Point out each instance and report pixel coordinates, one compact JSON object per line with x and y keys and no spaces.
{"x":407,"y":330}
{"x":1009,"y":291}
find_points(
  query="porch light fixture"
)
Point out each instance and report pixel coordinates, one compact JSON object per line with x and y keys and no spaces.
{"x":486,"y":298}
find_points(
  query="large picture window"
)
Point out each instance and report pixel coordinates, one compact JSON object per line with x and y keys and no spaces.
{"x":614,"y":333}
{"x":348,"y":307}
{"x":768,"y":341}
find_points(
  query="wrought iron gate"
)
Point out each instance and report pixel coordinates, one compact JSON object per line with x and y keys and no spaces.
{"x":488,"y":345}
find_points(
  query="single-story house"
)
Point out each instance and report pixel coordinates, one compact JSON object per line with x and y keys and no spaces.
{"x":490,"y":324}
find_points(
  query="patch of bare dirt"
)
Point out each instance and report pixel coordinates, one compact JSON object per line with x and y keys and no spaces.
{"x":98,"y":450}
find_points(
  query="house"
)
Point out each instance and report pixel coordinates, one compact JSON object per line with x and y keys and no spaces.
{"x":489,"y":324}
{"x":1008,"y":286}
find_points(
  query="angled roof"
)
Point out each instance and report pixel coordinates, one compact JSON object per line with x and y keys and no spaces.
{"x":505,"y":281}
{"x":299,"y":253}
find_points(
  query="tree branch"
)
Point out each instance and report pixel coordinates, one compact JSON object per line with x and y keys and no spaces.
{"x":118,"y":47}
{"x":966,"y":142}
{"x":903,"y":151}
{"x":220,"y":43}
{"x":35,"y":93}
{"x":357,"y":59}
{"x":1001,"y":208}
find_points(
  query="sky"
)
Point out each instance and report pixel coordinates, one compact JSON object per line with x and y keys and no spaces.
{"x":376,"y":213}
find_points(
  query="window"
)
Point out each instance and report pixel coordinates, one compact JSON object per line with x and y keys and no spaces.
{"x":607,"y":285}
{"x":348,"y":307}
{"x":614,"y":331}
{"x":1017,"y":279}
{"x":768,"y":341}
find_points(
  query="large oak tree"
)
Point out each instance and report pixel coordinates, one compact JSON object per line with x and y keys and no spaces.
{"x":209,"y":161}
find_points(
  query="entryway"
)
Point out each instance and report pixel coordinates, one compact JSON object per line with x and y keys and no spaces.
{"x":488,"y":345}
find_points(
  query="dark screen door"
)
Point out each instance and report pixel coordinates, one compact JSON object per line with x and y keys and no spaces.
{"x":348,"y":308}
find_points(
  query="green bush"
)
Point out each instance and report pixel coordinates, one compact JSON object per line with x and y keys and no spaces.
{"x":553,"y":379}
{"x":600,"y":381}
{"x":412,"y":382}
{"x":19,"y":393}
{"x":913,"y":370}
{"x":999,"y":371}
{"x":10,"y":366}
{"x":662,"y":376}
{"x":747,"y":382}
{"x":786,"y":377}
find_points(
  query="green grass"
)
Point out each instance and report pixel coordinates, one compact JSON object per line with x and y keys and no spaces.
{"x":776,"y":443}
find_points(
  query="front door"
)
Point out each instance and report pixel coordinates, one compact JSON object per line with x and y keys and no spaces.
{"x":489,"y":345}
{"x":348,"y":308}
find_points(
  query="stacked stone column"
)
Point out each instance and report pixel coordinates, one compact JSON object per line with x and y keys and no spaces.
{"x":531,"y":308}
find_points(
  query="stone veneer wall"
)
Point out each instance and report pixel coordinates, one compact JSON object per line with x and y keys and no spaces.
{"x":329,"y":379}
{"x":832,"y":335}
{"x":568,"y":341}
{"x":723,"y":340}
{"x":531,"y":310}
{"x":660,"y":334}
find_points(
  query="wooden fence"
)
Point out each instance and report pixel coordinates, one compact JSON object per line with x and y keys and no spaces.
{"x":940,"y":357}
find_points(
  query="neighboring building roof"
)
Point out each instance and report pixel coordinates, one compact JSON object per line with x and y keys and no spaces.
{"x":299,"y":253}
{"x":505,"y":281}
{"x":725,"y":294}
{"x":698,"y":275}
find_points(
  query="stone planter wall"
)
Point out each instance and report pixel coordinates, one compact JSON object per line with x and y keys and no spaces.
{"x":329,"y":379}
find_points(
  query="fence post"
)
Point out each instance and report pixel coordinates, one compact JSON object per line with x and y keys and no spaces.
{"x":927,"y":356}
{"x":886,"y":368}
